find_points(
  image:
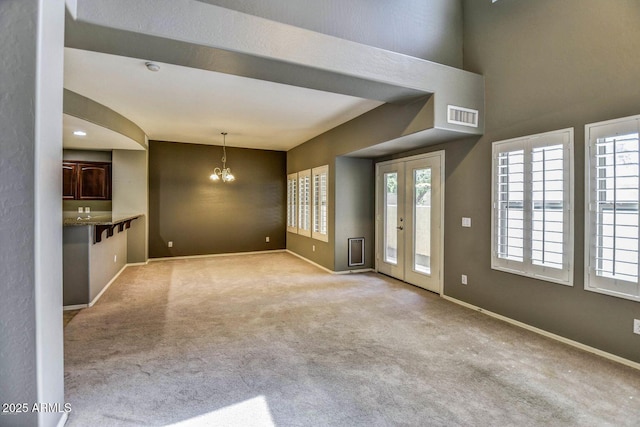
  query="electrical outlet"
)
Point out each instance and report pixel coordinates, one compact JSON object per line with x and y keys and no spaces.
{"x":463,"y":279}
{"x":466,"y":222}
{"x":313,"y":248}
{"x":115,"y":258}
{"x":267,"y":239}
{"x":170,"y":244}
{"x":636,"y":326}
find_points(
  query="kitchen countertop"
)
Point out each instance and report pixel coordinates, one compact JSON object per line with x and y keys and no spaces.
{"x":96,"y":218}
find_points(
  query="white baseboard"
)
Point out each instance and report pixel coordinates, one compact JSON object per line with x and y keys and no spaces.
{"x":113,"y":279}
{"x":134,"y":264}
{"x":214,"y":255}
{"x":95,"y":300}
{"x":74,"y":307}
{"x":362,"y":270}
{"x":547,"y":334}
{"x":63,"y":420}
{"x":310,"y":262}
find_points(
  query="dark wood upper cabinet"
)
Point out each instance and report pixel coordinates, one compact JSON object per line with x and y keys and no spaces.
{"x":69,"y":180}
{"x":92,"y":180}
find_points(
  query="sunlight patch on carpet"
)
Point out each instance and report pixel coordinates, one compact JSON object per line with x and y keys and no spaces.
{"x":250,"y":413}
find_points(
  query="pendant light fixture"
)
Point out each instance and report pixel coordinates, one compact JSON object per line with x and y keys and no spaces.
{"x":224,"y":174}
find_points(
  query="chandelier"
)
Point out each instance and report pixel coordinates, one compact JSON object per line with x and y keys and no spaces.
{"x":224,"y":174}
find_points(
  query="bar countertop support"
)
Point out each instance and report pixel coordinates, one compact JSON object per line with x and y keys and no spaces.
{"x":101,"y":221}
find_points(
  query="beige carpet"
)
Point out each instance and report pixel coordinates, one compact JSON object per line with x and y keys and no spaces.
{"x":270,"y":340}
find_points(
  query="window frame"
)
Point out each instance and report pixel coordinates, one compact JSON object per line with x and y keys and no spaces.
{"x":526,"y":267}
{"x":292,"y":203}
{"x":593,"y":282}
{"x":316,"y":203}
{"x":304,"y":206}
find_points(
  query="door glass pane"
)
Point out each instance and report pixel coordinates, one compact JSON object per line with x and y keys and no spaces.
{"x":422,"y":215}
{"x":391,"y":217}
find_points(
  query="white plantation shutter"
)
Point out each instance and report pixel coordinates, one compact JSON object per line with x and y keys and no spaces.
{"x":320,"y":178}
{"x":304,"y":203}
{"x":510,"y":203}
{"x":613,"y":187}
{"x":532,"y":226}
{"x":292,"y":203}
{"x":548,"y":213}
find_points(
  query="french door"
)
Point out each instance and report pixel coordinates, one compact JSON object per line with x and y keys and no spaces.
{"x":409,"y":229}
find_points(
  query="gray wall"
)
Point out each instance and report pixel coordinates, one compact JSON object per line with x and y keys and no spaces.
{"x":351,"y":204}
{"x":106,"y":259}
{"x":429,"y":30}
{"x":385,"y":123}
{"x":87,"y":155}
{"x":31,"y":366}
{"x":548,"y":65}
{"x":75,"y":263}
{"x":204,"y":217}
{"x":130,"y":180}
{"x":89,"y":267}
{"x":355,"y":183}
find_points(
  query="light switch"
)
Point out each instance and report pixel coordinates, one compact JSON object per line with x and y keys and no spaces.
{"x":466,"y":222}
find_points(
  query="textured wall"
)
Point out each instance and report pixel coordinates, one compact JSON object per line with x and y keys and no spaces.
{"x":204,"y":217}
{"x":429,"y":30}
{"x":17,"y":334}
{"x":31,"y":368}
{"x":548,"y":65}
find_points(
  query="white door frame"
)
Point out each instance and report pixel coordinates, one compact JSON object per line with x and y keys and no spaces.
{"x":440,"y":156}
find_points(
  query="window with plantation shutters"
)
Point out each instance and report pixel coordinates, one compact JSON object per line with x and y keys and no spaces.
{"x":292,"y":203}
{"x":304,"y":203}
{"x":613,"y":187}
{"x":532,"y":225}
{"x":320,"y":178}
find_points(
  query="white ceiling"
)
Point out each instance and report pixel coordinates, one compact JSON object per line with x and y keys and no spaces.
{"x":184,"y":104}
{"x":96,"y":138}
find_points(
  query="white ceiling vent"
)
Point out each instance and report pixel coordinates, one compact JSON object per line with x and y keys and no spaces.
{"x":462,"y":116}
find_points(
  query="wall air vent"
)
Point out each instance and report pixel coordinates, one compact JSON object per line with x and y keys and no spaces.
{"x":356,"y":251}
{"x":462,"y":116}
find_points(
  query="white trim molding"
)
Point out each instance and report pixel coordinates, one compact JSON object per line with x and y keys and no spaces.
{"x":361,"y":270}
{"x":170,"y":258}
{"x":532,"y":192}
{"x":113,"y":279}
{"x":63,"y":420}
{"x":74,"y":307}
{"x":547,"y":334}
{"x":612,"y":244}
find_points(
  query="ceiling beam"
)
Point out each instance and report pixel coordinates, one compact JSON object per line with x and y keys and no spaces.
{"x":200,"y":35}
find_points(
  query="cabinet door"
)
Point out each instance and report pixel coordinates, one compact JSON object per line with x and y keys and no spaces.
{"x":94,"y":181}
{"x":69,"y":180}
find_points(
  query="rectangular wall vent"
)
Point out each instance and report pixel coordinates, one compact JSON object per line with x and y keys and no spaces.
{"x":356,"y":251}
{"x":462,"y":116}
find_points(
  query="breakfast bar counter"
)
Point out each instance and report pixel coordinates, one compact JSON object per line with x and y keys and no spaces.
{"x":94,"y":253}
